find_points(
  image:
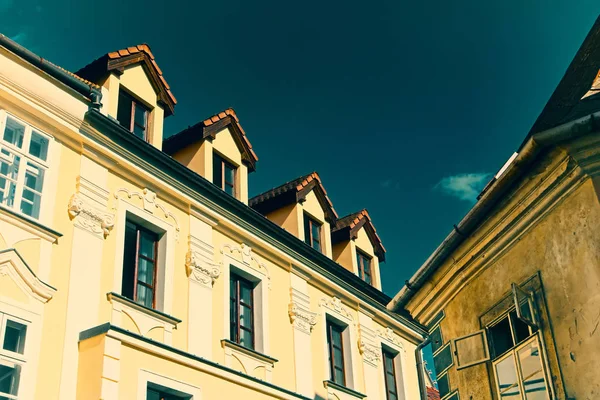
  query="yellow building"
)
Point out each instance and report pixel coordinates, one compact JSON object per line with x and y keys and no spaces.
{"x":133,"y":267}
{"x":511,"y":297}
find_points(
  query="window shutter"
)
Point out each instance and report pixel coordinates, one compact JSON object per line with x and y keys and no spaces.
{"x":471,"y":349}
{"x":524,"y":304}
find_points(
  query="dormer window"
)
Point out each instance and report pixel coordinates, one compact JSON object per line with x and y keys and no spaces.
{"x":312,"y":233}
{"x":363,"y":262}
{"x":133,"y":115}
{"x":224,"y":174}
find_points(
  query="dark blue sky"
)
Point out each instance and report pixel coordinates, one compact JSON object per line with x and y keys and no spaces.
{"x":404,"y":108}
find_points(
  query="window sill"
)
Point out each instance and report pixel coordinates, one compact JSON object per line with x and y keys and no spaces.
{"x":248,"y":361}
{"x":342,"y":392}
{"x":142,"y":320}
{"x":29,"y":224}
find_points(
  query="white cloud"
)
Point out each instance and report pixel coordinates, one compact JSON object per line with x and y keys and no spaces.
{"x":463,"y":186}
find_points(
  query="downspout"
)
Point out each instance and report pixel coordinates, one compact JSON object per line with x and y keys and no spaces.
{"x":87,"y":90}
{"x":420,"y":368}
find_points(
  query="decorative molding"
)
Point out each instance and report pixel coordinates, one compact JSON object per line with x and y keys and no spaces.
{"x":371,"y":353}
{"x":302,"y":318}
{"x":13,"y":266}
{"x":251,"y":362}
{"x":150,"y":203}
{"x":89,"y":217}
{"x":246,"y":256}
{"x":390,"y":336}
{"x":335,"y":304}
{"x":201,"y":270}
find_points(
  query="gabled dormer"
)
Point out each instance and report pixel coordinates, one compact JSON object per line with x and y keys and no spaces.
{"x":217,"y":149}
{"x":302,"y":208}
{"x":357,"y":247}
{"x":134,"y":91}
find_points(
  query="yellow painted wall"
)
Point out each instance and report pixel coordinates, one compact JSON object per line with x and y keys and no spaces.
{"x":91,"y":352}
{"x":342,"y":254}
{"x":287,"y":218}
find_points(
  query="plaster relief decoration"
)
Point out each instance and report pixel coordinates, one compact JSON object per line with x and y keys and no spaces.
{"x":391,"y":337}
{"x":15,"y":268}
{"x":246,"y":256}
{"x":150,"y":204}
{"x":335,"y":304}
{"x":200,"y":269}
{"x":299,"y":312}
{"x":366,"y":346}
{"x":89,"y":217}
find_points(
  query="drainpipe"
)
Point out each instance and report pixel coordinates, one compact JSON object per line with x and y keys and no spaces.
{"x":87,"y":90}
{"x":420,"y":369}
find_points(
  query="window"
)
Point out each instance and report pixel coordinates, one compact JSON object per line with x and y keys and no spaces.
{"x":335,"y":343}
{"x":157,"y":392}
{"x":312,"y":233}
{"x":23,"y":165}
{"x":390,"y":375}
{"x":140,"y":264}
{"x":241,"y":311}
{"x":12,"y":337}
{"x":133,"y":115}
{"x":224,"y":174}
{"x":364,"y":266}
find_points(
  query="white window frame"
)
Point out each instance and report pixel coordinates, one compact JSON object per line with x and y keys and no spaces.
{"x":146,"y":377}
{"x":23,"y":153}
{"x":261,"y":301}
{"x":166,"y":250}
{"x":23,"y":360}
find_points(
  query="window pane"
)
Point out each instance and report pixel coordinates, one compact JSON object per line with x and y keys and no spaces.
{"x":246,"y":339}
{"x":140,"y":115}
{"x":152,"y":395}
{"x":147,"y":241}
{"x":144,"y":296}
{"x":139,"y":132}
{"x":145,"y":271}
{"x":501,"y":337}
{"x":534,"y":383}
{"x":316,"y":236}
{"x":31,"y":198}
{"x":124,"y":110}
{"x":339,"y":377}
{"x":229,"y":189}
{"x":14,"y":336}
{"x":520,"y":328}
{"x":338,"y":357}
{"x":14,"y":132}
{"x":229,"y":174}
{"x":38,"y":146}
{"x":246,"y":293}
{"x":507,"y":378}
{"x":9,"y":169}
{"x":9,"y":379}
{"x":307,"y":230}
{"x":246,"y":317}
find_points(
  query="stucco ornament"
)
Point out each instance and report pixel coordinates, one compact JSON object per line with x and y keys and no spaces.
{"x":246,"y":256}
{"x":150,"y":204}
{"x":390,"y":336}
{"x":335,"y":304}
{"x":301,"y":318}
{"x":203,"y":271}
{"x":90,"y":218}
{"x":370,"y":352}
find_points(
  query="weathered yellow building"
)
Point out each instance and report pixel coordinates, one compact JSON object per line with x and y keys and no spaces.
{"x":136,"y":267}
{"x":511,"y":298}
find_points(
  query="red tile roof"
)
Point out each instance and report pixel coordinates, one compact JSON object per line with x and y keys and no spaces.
{"x":209,"y":128}
{"x":347,"y":227}
{"x":433,"y":394}
{"x":117,"y":60}
{"x":294,"y":191}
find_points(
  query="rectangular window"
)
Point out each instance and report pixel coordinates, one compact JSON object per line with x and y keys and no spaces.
{"x":241,"y":311}
{"x":312,"y":233}
{"x":133,"y":115}
{"x":140,"y":265}
{"x":224,"y":174}
{"x":23,"y":166}
{"x":364,"y":266}
{"x":12,"y":338}
{"x":335,"y":343}
{"x":390,"y":375}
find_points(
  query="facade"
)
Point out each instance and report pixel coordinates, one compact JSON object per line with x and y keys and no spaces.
{"x":136,"y":267}
{"x":511,"y":297}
